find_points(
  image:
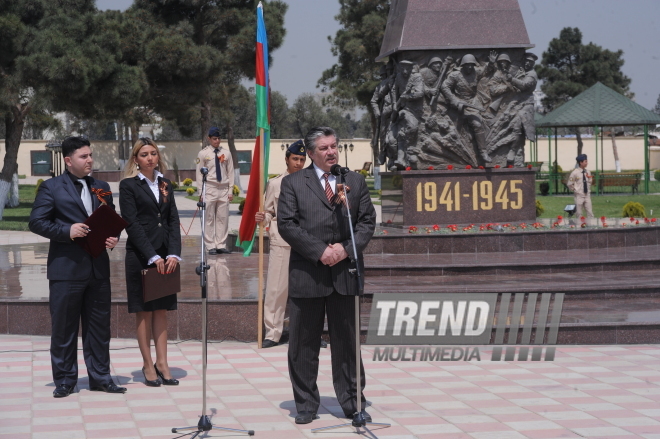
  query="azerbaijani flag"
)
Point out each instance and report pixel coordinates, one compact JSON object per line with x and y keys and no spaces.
{"x":255,"y":192}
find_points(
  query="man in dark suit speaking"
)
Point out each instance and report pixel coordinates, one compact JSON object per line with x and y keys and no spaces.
{"x":315,"y":225}
{"x":79,"y":284}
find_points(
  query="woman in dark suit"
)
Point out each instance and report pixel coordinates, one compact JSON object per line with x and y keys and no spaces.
{"x":146,"y":200}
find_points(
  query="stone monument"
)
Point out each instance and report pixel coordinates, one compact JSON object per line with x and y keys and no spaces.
{"x":457,"y":87}
{"x":454,"y":108}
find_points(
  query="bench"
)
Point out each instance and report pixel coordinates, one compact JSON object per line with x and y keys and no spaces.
{"x":620,"y":180}
{"x":365,"y":167}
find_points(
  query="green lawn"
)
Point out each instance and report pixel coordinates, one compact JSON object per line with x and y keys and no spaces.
{"x":18,"y":217}
{"x":603,"y":205}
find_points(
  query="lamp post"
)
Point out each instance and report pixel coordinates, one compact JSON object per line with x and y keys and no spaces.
{"x":56,"y":149}
{"x":345,"y":148}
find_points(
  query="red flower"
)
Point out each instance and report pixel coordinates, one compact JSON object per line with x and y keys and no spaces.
{"x":430,"y":168}
{"x":582,"y":218}
{"x":412,"y":229}
{"x":632,"y":219}
{"x":436,"y":227}
{"x":559,"y":217}
{"x":529,"y":166}
{"x":408,"y":168}
{"x":653,"y":220}
{"x":583,"y":225}
{"x":602,"y":218}
{"x":481,"y":167}
{"x":637,"y":222}
{"x":510,"y":166}
{"x":468,"y":167}
{"x":389,"y":221}
{"x":497,"y":166}
{"x":450,"y":167}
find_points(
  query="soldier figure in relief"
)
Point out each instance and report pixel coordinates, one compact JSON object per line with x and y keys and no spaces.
{"x":525,"y":81}
{"x":381,"y":105}
{"x":407,"y":112}
{"x":460,"y":89}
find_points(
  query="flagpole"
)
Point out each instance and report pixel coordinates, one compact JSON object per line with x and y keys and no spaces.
{"x":260,"y":313}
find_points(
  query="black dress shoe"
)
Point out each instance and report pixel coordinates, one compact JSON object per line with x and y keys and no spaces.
{"x":268,"y":343}
{"x":365,"y":415}
{"x":324,"y":344}
{"x":108,"y":388}
{"x":222,"y":251}
{"x":213,"y":251}
{"x":166,"y":382}
{"x":62,"y":391}
{"x":305,"y":417}
{"x":152,"y":383}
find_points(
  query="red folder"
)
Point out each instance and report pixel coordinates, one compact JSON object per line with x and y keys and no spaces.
{"x":103,"y":223}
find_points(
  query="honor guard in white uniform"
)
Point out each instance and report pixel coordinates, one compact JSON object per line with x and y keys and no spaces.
{"x":219,"y":185}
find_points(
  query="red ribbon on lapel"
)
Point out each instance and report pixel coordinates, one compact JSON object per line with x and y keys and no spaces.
{"x":100,"y":193}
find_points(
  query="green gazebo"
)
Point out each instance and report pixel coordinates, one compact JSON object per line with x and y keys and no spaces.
{"x":598,"y":106}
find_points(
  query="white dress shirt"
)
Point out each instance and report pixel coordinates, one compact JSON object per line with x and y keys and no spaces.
{"x":331,"y":179}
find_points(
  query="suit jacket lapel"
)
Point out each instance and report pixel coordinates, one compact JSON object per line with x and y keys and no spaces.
{"x":145,"y":187}
{"x":315,"y":185}
{"x":71,"y":189}
{"x":95,"y":200}
{"x":160,"y":193}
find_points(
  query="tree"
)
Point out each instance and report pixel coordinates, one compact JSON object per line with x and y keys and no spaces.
{"x":569,"y":67}
{"x":353,"y":79}
{"x":58,"y":56}
{"x":196,"y":52}
{"x":656,"y":109}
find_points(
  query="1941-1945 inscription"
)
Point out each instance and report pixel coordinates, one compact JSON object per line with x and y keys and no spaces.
{"x":458,"y":197}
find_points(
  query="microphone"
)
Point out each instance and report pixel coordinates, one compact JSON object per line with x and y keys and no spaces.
{"x":204,"y":171}
{"x":337,"y":170}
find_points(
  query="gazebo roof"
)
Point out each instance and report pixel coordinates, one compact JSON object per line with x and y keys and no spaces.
{"x":598,"y":105}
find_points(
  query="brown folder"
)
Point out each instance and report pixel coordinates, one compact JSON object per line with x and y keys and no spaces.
{"x":103,"y":223}
{"x":156,"y":285}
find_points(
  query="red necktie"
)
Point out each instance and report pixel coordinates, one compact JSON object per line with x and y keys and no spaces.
{"x":328,"y":189}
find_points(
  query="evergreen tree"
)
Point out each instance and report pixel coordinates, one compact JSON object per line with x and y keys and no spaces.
{"x":569,"y":67}
{"x":357,"y":44}
{"x":195,"y":54}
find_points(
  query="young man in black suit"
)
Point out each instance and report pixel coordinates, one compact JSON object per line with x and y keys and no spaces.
{"x":315,"y":225}
{"x":79,"y":284}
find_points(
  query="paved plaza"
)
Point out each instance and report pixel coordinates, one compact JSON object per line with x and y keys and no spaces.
{"x":587,"y":391}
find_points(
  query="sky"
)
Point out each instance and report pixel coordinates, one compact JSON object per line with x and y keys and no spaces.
{"x":631,"y":25}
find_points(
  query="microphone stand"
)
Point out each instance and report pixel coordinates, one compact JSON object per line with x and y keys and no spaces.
{"x":358,"y":418}
{"x":204,"y":423}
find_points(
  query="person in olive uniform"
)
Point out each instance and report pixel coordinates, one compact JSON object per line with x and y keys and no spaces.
{"x":219,"y":185}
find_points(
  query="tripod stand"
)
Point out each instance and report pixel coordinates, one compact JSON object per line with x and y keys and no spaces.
{"x":204,"y":423}
{"x":358,"y":418}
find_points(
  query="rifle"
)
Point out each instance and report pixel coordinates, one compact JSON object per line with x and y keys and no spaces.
{"x":436,"y":87}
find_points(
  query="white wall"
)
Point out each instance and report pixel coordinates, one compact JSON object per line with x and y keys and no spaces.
{"x":631,"y":153}
{"x":185,"y":152}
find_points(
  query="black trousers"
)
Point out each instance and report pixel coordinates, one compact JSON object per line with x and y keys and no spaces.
{"x":72,"y":302}
{"x":306,"y":318}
